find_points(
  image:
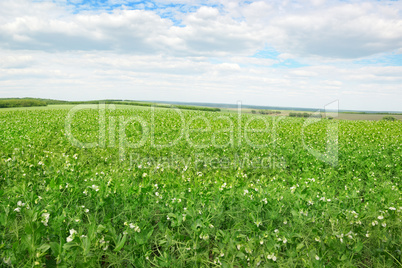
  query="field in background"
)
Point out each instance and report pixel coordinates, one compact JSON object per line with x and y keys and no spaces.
{"x":32,"y":103}
{"x":135,"y":187}
{"x":341,"y":115}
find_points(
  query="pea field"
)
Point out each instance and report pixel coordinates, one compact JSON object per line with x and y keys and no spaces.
{"x":113,"y":186}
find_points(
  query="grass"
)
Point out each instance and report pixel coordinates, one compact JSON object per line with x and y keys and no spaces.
{"x":146,"y":191}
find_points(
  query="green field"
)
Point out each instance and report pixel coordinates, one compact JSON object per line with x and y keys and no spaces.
{"x":108,"y":186}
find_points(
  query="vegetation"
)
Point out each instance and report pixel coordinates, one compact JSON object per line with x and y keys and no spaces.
{"x":269,"y":112}
{"x":9,"y":103}
{"x":293,"y":114}
{"x":217,"y":190}
{"x":389,"y":118}
{"x":29,"y":102}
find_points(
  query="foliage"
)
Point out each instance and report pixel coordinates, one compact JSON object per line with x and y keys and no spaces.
{"x":293,"y":114}
{"x":269,"y":112}
{"x":29,"y":102}
{"x":9,"y":103}
{"x":389,"y":118}
{"x":206,"y":200}
{"x":149,"y":104}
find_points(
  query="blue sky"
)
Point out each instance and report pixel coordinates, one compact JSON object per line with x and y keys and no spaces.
{"x":276,"y":53}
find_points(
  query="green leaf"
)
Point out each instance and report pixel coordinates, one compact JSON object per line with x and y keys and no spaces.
{"x":121,"y":243}
{"x":100,"y":228}
{"x":149,"y":234}
{"x":55,"y":248}
{"x":358,"y":247}
{"x":69,"y":245}
{"x":299,"y":246}
{"x":43,"y":248}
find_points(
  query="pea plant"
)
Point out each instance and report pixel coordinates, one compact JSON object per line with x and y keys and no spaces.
{"x":142,"y":187}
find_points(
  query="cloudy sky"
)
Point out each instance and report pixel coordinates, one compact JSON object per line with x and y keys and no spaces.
{"x":275,"y":53}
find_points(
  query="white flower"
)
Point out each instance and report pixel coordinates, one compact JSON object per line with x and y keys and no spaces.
{"x":205,"y":237}
{"x":276,"y":230}
{"x":71,"y":236}
{"x":17,"y":209}
{"x":384,"y":224}
{"x":135,"y":227}
{"x":380,"y":217}
{"x":85,"y":192}
{"x":156,"y":193}
{"x":261,"y":242}
{"x":94,"y":187}
{"x":285,"y":241}
{"x":392,"y":208}
{"x":86,"y":210}
{"x":45,"y":218}
{"x":238,"y":247}
{"x":20,"y":204}
{"x":7,"y":261}
{"x":317,"y":239}
{"x":317,"y":258}
{"x":258,"y":223}
{"x":271,"y":257}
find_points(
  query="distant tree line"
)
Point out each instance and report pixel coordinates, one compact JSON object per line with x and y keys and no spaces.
{"x":29,"y":102}
{"x":292,"y":114}
{"x":149,"y":104}
{"x":389,"y":118}
{"x":265,"y":112}
{"x":9,"y":103}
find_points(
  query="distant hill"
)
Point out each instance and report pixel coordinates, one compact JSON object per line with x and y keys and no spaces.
{"x":30,"y":102}
{"x":201,"y":106}
{"x":281,"y":108}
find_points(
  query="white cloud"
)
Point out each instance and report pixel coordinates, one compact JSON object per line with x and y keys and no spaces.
{"x":49,"y":51}
{"x":344,"y":31}
{"x":303,"y":73}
